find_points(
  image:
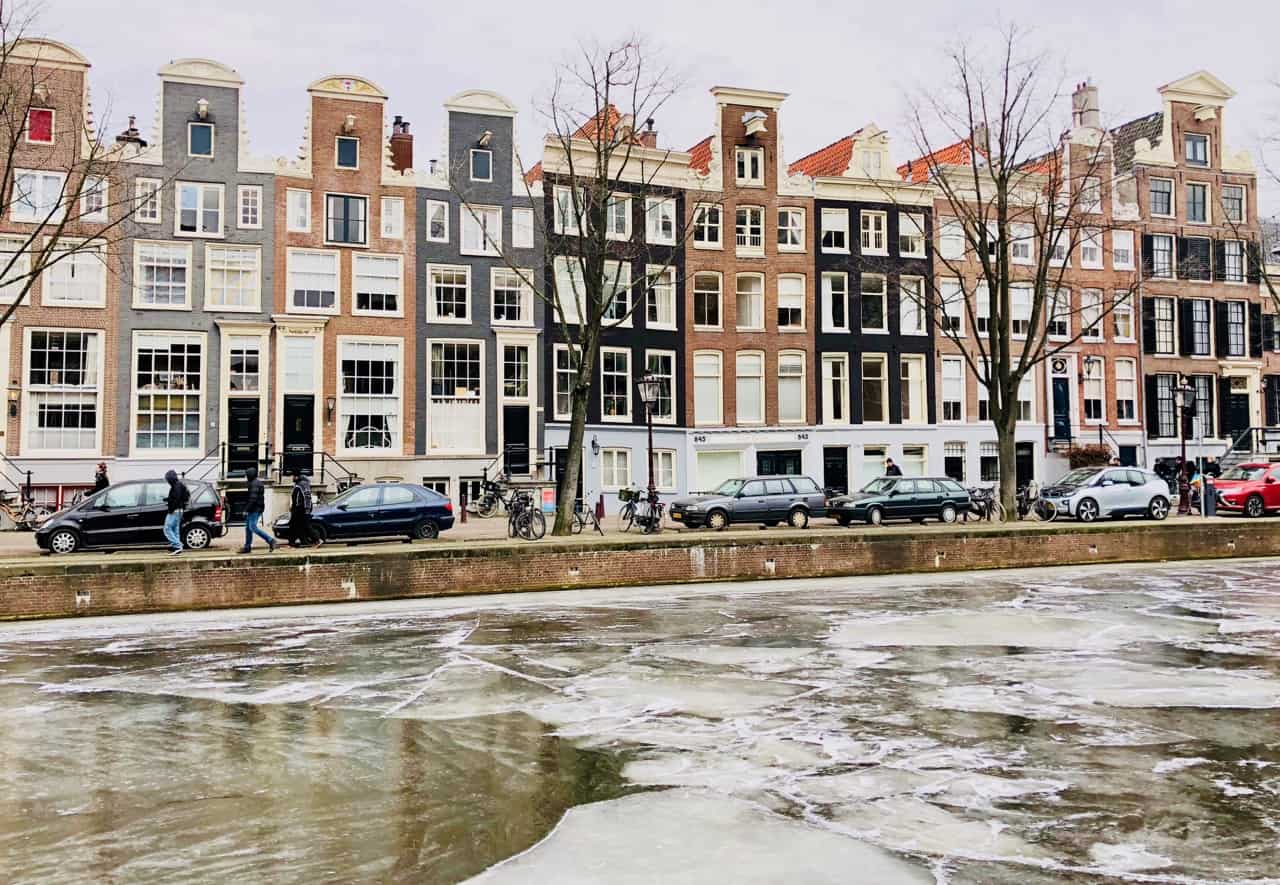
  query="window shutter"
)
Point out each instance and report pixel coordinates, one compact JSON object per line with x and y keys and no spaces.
{"x":1148,"y":323}
{"x":1153,"y":409}
{"x":1253,"y":263}
{"x":1224,"y":397}
{"x":1181,"y":266}
{"x":1255,"y":331}
{"x":1209,"y":417}
{"x":1268,"y":331}
{"x":1219,"y":260}
{"x":1271,"y":396}
{"x":1186,"y":335}
{"x":1148,"y":263}
{"x":1220,"y":328}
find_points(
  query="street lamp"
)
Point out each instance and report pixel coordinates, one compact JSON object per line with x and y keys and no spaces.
{"x":1184,"y":397}
{"x":1090,"y":363}
{"x":650,"y":387}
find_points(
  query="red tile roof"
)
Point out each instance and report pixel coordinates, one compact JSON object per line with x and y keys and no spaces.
{"x":607,"y":120}
{"x":830,"y":160}
{"x":534,"y":175}
{"x":700,"y":156}
{"x":917,"y":171}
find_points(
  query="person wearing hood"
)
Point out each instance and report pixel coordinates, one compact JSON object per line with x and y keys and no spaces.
{"x":175,"y":502}
{"x":254,"y":508}
{"x":100,"y":480}
{"x":300,"y":513}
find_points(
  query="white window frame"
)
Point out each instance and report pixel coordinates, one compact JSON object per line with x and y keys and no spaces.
{"x":700,"y":223}
{"x":828,"y":293}
{"x":1244,"y":202}
{"x":1208,"y":202}
{"x":200,"y":187}
{"x":1092,"y":307}
{"x":442,"y":207}
{"x":567,"y":219}
{"x":738,"y":313}
{"x":1244,"y":262}
{"x":719,"y":376}
{"x":290,"y":307}
{"x":212,"y":248}
{"x":29,"y":391}
{"x":526,"y":296}
{"x":884,"y":302}
{"x":1208,"y":150}
{"x":53,"y":126}
{"x":471,"y":163}
{"x":556,"y":375}
{"x":665,"y":289}
{"x":1020,"y":298}
{"x":368,"y":220}
{"x":1122,"y":305}
{"x":951,"y":304}
{"x":93,"y":190}
{"x":794,"y":230}
{"x":835,"y":222}
{"x":1173,"y":198}
{"x":567,"y":269}
{"x":1022,"y":241}
{"x":920,"y":307}
{"x":618,"y":275}
{"x":433,"y":315}
{"x":747,"y":249}
{"x":950,"y":236}
{"x":719,"y":292}
{"x":299,"y":194}
{"x":748,"y":154}
{"x":43,"y":211}
{"x":19,"y":270}
{"x":80,"y":248}
{"x":521,"y":228}
{"x":1057,"y":311}
{"x":883,"y":360}
{"x":738,"y":376}
{"x":1120,"y":240}
{"x":912,"y":220}
{"x":792,"y":358}
{"x":476,"y":401}
{"x":391,"y":218}
{"x":1173,"y":257}
{"x":828,"y":376}
{"x":611,"y":230}
{"x":1098,"y":375}
{"x":658,"y":211}
{"x":1091,"y":256}
{"x":134,"y":449}
{"x":956,"y":362}
{"x":671,"y":355}
{"x":624,"y":418}
{"x":804,"y":297}
{"x":660,"y":471}
{"x":1174,"y":335}
{"x":396,"y":449}
{"x":490,"y":240}
{"x":246,"y":190}
{"x":356,"y":258}
{"x":185,"y":247}
{"x":867,"y":233}
{"x":147,"y":200}
{"x":213,"y":139}
{"x":337,"y":141}
{"x":1133,"y":380}
{"x":914,"y":383}
{"x":609,"y":476}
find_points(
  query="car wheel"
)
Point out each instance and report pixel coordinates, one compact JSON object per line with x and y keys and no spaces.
{"x":717,"y":520}
{"x":426,"y":530}
{"x":875,"y":516}
{"x":1087,"y":510}
{"x":1158,"y":508}
{"x":947,"y":514}
{"x":64,"y":541}
{"x":1253,"y":506}
{"x":798,"y":518}
{"x":319,"y":532}
{"x":843,"y":520}
{"x":196,"y":537}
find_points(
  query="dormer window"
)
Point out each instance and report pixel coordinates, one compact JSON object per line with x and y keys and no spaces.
{"x":40,"y":125}
{"x":481,"y":165}
{"x":869,"y":163}
{"x":347,"y":155}
{"x":200,"y":139}
{"x":1197,"y":149}
{"x":750,"y":166}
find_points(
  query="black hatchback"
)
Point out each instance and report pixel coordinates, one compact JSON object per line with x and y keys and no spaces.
{"x":131,"y":514}
{"x":916,"y":498}
{"x":378,"y":510}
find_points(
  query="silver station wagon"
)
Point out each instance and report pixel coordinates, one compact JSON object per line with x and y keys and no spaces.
{"x":768,"y":500}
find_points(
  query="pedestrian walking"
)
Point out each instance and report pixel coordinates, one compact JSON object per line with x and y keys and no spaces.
{"x":100,"y":480}
{"x":300,"y":514}
{"x":175,"y":502}
{"x":891,"y":469}
{"x":254,"y":507}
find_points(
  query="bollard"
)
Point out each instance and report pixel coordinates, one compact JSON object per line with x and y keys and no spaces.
{"x":462,"y":505}
{"x":600,"y":508}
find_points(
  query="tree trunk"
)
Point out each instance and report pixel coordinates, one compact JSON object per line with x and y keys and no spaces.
{"x":567,"y":483}
{"x":1006,"y":429}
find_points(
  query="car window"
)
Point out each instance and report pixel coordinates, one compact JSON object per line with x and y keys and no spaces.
{"x":1078,"y":477}
{"x":397,"y":495}
{"x":753,"y":488}
{"x":804,"y":485}
{"x":880,"y":486}
{"x":906,"y":487}
{"x":729,"y":488}
{"x":128,"y":495}
{"x":366,"y":497}
{"x":950,"y":485}
{"x":203,"y":495}
{"x":777,"y":487}
{"x":154,"y":493}
{"x":1245,"y":472}
{"x":1136,"y":477}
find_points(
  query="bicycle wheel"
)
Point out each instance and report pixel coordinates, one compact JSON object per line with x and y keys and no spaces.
{"x":486,"y":507}
{"x":1049,"y":511}
{"x":533,"y":525}
{"x":579,"y":523}
{"x":996,"y":512}
{"x":627,"y":517}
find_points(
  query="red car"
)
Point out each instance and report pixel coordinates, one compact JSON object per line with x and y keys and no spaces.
{"x":1251,"y":488}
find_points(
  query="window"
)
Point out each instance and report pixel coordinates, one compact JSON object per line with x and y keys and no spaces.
{"x":914,"y":461}
{"x":952,"y":388}
{"x":1202,"y":417}
{"x":951,"y":240}
{"x":1091,"y":194}
{"x":706,"y":227}
{"x":481,"y":165}
{"x":162,"y":275}
{"x":570,"y":292}
{"x":873,"y":462}
{"x":1020,"y":308}
{"x":522,"y":228}
{"x":1163,"y":312}
{"x":37,"y":196}
{"x":244,"y":373}
{"x":660,"y":220}
{"x":664,"y":469}
{"x":437,"y":225}
{"x":951,"y":318}
{"x":750,"y":230}
{"x":512,"y":297}
{"x":661,"y":364}
{"x":750,"y":389}
{"x":1091,"y":250}
{"x":912,"y":389}
{"x":790,"y":230}
{"x":835,"y":302}
{"x":750,"y":301}
{"x":1095,"y":393}
{"x":1162,"y":197}
{"x":911,"y":306}
{"x":835,"y":388}
{"x":791,"y":404}
{"x":1201,"y":326}
{"x":565,"y":375}
{"x":448,"y":293}
{"x":232,"y":277}
{"x":953,"y":459}
{"x":615,"y":384}
{"x":93,"y":200}
{"x":1026,"y":390}
{"x":63,"y":389}
{"x":346,"y":219}
{"x":1196,"y":149}
{"x":1122,"y":315}
{"x":873,"y":226}
{"x":617,"y":217}
{"x":749,"y":163}
{"x":706,"y":300}
{"x":984,"y":393}
{"x":455,"y":372}
{"x":392,"y":213}
{"x":1233,"y":261}
{"x":872,"y":290}
{"x":615,"y":468}
{"x":835,"y":230}
{"x":249,"y":203}
{"x":299,"y":363}
{"x":660,"y":300}
{"x":78,"y":278}
{"x":1235,"y":328}
{"x":200,"y":139}
{"x":347,"y":153}
{"x":481,"y":230}
{"x":1060,"y":252}
{"x":199,"y":209}
{"x":1166,"y":413}
{"x":983,"y":313}
{"x":313,"y":281}
{"x":298,"y":210}
{"x":15,"y":268}
{"x":40,"y":125}
{"x":369,"y":398}
{"x":1197,"y":262}
{"x":1091,"y":314}
{"x":617,"y":289}
{"x":1233,"y":202}
{"x":1122,"y":249}
{"x":146,"y":199}
{"x":1162,"y":256}
{"x":1126,"y":390}
{"x":1197,"y":203}
{"x":168,"y":383}
{"x":707,"y":398}
{"x":568,"y":211}
{"x":791,"y":302}
{"x":1021,"y":243}
{"x":377,"y":284}
{"x":989,"y":462}
{"x":910,"y":235}
{"x":875,"y":389}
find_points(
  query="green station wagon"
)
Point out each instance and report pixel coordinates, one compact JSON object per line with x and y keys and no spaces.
{"x":916,"y":498}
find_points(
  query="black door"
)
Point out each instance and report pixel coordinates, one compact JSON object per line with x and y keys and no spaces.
{"x":1061,"y":408}
{"x":783,"y":463}
{"x":242,"y":435}
{"x":1129,"y":456}
{"x":835,"y":469}
{"x":1024,"y":457}
{"x":561,"y":461}
{"x":1237,"y":416}
{"x":299,"y":433}
{"x":515,"y":439}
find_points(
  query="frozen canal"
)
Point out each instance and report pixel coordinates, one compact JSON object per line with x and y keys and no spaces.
{"x":1084,"y":725}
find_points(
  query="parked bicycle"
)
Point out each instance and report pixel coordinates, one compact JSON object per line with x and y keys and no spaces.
{"x":984,"y":504}
{"x":524,"y":520}
{"x":490,"y":501}
{"x":25,"y":514}
{"x":638,"y":509}
{"x":584,"y":517}
{"x":1031,"y":505}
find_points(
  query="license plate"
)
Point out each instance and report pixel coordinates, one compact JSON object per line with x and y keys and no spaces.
{"x":677,"y":515}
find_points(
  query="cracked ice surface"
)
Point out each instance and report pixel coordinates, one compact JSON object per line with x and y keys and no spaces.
{"x":1088,"y":725}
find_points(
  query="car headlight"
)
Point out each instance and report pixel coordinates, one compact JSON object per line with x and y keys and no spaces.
{"x":690,"y":506}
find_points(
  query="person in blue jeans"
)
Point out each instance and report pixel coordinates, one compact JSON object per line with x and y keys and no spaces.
{"x":254,"y":507}
{"x":175,"y":502}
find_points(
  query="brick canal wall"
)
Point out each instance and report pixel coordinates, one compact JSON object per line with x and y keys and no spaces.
{"x":132,"y":583}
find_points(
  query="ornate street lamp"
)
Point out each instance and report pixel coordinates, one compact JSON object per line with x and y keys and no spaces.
{"x":1184,"y":397}
{"x":650,"y":388}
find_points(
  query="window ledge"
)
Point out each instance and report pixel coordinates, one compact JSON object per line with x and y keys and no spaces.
{"x":710,"y":247}
{"x":217,"y":308}
{"x":449,"y":321}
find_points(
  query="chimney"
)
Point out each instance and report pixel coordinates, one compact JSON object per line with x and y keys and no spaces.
{"x":979,"y":138}
{"x":649,"y":137}
{"x":131,"y":135}
{"x":401,"y":144}
{"x":1084,"y":106}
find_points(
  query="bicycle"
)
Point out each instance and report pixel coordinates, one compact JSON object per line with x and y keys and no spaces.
{"x":583,"y":517}
{"x":984,"y":505}
{"x":1030,"y":504}
{"x":638,"y":509}
{"x":489,"y":501}
{"x":627,"y":515}
{"x":524,"y":520}
{"x":25,"y":514}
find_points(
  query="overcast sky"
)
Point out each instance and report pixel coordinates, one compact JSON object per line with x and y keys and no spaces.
{"x":843,"y":63}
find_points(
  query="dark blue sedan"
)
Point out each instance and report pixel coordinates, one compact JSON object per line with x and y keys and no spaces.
{"x":379,"y":510}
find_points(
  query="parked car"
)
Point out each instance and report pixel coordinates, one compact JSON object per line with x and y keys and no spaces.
{"x":754,"y":499}
{"x":379,"y":510}
{"x":916,"y":498}
{"x":1090,"y":493}
{"x":1251,"y":489}
{"x":130,"y":514}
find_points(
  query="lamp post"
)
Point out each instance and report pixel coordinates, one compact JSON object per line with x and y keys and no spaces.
{"x":650,"y":387}
{"x":1090,"y":363}
{"x":1184,"y":397}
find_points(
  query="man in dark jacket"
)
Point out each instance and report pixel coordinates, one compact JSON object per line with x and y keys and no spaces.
{"x":100,"y":480}
{"x":891,"y":469}
{"x":174,"y":504}
{"x":254,"y":507}
{"x":300,"y":514}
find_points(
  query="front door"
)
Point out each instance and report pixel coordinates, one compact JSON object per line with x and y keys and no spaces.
{"x":1024,"y":459}
{"x":835,"y":469}
{"x":242,"y":435}
{"x":1237,"y":417}
{"x":515,"y":438}
{"x":299,"y":434}
{"x":781,"y":463}
{"x":1061,"y":408}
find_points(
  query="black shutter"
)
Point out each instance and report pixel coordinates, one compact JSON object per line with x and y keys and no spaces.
{"x":1153,"y":408}
{"x":1224,"y":397}
{"x":1148,"y":324}
{"x":1253,"y":255}
{"x":1220,"y":337}
{"x":1271,"y":404}
{"x":1255,"y":331}
{"x":1208,"y":422}
{"x":1148,"y":262}
{"x":1219,"y":260}
{"x":1268,"y":331}
{"x":1182,"y":268}
{"x":1186,"y":331}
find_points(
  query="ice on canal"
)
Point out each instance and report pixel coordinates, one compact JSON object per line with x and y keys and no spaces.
{"x":1084,"y":725}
